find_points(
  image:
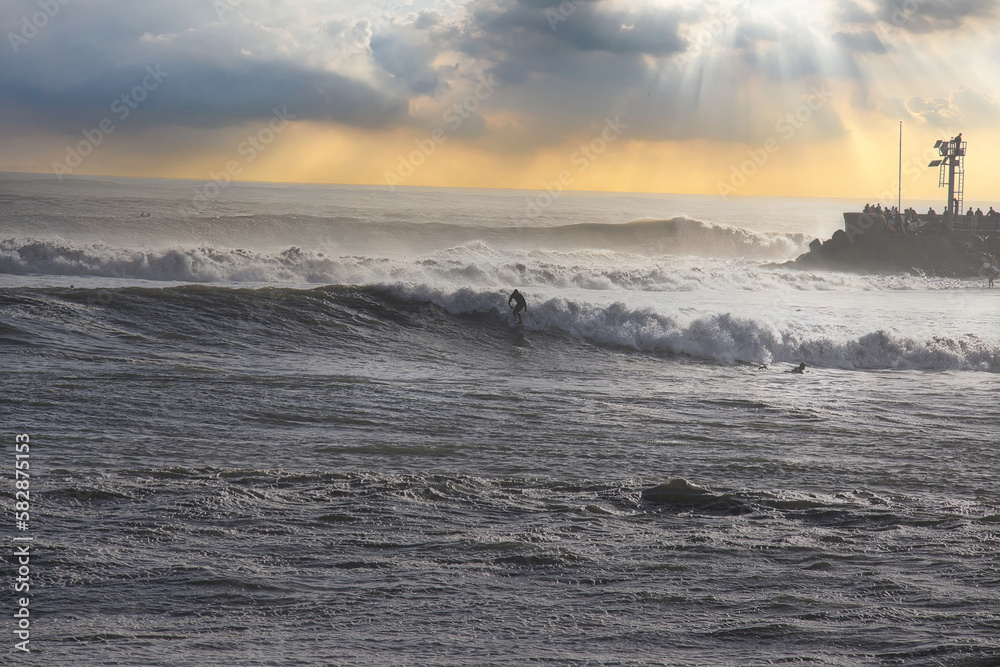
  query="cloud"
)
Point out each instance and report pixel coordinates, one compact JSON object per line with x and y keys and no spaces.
{"x":936,"y":111}
{"x":564,"y":65}
{"x":407,"y":51}
{"x":967,"y":107}
{"x":894,"y":108}
{"x":672,"y":70}
{"x":916,"y":16}
{"x":752,"y":34}
{"x":224,"y":69}
{"x":862,"y":41}
{"x":583,"y":25}
{"x":406,"y":60}
{"x":978,"y":109}
{"x":196,"y":93}
{"x":527,"y":36}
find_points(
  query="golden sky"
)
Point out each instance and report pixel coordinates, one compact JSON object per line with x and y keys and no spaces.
{"x":725,"y":98}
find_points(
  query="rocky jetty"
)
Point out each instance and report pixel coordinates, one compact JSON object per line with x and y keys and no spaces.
{"x":953,"y":255}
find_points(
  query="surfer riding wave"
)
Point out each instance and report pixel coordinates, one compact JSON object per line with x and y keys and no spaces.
{"x":517,"y":298}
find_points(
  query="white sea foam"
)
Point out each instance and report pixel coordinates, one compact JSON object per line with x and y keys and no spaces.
{"x":730,"y":338}
{"x":476,"y":264}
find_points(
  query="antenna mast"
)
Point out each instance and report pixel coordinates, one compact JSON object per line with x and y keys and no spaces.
{"x":952,"y":164}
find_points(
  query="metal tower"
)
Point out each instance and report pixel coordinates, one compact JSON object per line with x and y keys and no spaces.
{"x":952,"y":164}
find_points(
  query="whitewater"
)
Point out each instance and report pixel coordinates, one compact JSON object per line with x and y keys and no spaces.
{"x":296,"y":425}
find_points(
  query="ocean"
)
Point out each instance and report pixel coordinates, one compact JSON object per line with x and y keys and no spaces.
{"x":269,"y":424}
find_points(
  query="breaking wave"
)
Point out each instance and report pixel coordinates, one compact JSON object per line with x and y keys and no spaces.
{"x":474,"y":264}
{"x":731,"y":339}
{"x":328,"y":264}
{"x":307,"y":316}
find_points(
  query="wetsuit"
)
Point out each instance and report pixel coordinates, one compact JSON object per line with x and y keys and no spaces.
{"x":519,"y":300}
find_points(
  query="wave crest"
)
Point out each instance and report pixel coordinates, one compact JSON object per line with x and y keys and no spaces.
{"x":724,"y":337}
{"x":475,"y":263}
{"x":659,"y":330}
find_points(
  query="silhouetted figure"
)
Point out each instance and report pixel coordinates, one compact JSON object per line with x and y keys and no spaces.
{"x":516,"y":301}
{"x":801,"y":368}
{"x":991,"y":272}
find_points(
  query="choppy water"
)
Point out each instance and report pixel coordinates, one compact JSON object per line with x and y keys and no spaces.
{"x":323,"y":442}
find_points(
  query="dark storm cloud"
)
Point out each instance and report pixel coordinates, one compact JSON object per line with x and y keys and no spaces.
{"x":536,"y":35}
{"x":565,"y":66}
{"x":572,"y":62}
{"x":673,"y":72}
{"x":407,"y":50}
{"x":406,"y":60}
{"x":220,"y":68}
{"x":916,"y":16}
{"x":199,"y":94}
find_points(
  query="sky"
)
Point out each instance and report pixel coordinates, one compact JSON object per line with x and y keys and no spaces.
{"x":730,"y":98}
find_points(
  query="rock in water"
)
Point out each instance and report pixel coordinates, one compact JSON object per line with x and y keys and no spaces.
{"x":677,"y":492}
{"x":952,"y":255}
